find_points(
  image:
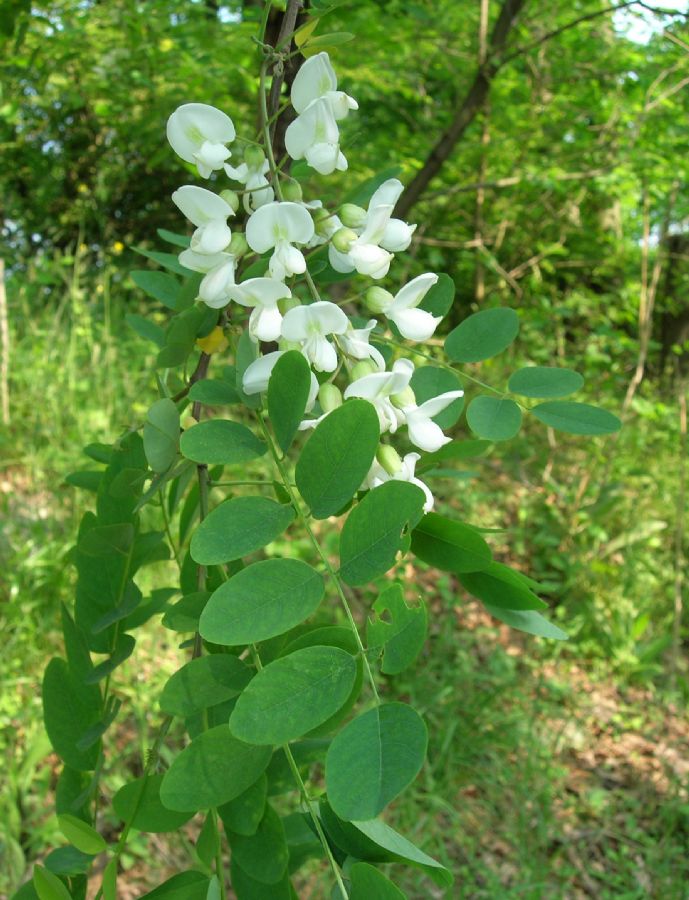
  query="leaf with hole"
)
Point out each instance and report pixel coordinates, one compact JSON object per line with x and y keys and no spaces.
{"x":262,"y":601}
{"x":397,"y":629}
{"x":293,"y":695}
{"x":336,"y":458}
{"x":373,"y":759}
{"x":238,"y":527}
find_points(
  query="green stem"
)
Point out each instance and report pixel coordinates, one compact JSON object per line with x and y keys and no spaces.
{"x":319,"y":550}
{"x":168,"y":531}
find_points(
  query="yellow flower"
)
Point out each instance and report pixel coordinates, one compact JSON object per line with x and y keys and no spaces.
{"x":215,"y":342}
{"x":117,"y":248}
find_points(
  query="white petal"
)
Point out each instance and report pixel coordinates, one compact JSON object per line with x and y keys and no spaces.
{"x":210,"y":156}
{"x":376,"y":222}
{"x":265,"y":322}
{"x":313,"y":393}
{"x":315,"y":77}
{"x":286,"y":261}
{"x":193,"y":123}
{"x":240,"y":174}
{"x":387,"y":194}
{"x":202,"y":262}
{"x":341,"y":262}
{"x":437,"y":404}
{"x":278,"y":221}
{"x":211,"y":238}
{"x":340,"y":103}
{"x":199,"y":205}
{"x":260,"y":292}
{"x":370,"y":260}
{"x":321,"y":353}
{"x":215,"y":287}
{"x":397,"y":236}
{"x":324,"y":158}
{"x":413,"y":292}
{"x":319,"y":318}
{"x":371,"y":387}
{"x":257,"y":374}
{"x":425,"y":434}
{"x":414,"y":324}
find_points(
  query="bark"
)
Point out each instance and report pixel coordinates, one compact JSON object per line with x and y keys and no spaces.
{"x":472,"y":104}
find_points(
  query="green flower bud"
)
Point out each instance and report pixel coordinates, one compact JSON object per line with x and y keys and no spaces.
{"x":329,"y":396}
{"x":389,"y":458}
{"x":254,"y":156}
{"x":238,"y":245}
{"x":231,"y":198}
{"x":362,"y":368}
{"x":352,"y":216}
{"x":377,"y":299}
{"x":321,"y":220}
{"x":291,"y":190}
{"x":343,"y":239}
{"x":404,"y":398}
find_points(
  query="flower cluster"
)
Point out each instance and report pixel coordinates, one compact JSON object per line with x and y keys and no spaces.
{"x":337,"y":346}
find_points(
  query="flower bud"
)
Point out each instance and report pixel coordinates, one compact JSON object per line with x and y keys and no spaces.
{"x":231,"y":198}
{"x":352,"y":216}
{"x":343,"y":239}
{"x":291,"y":190}
{"x":254,"y":156}
{"x":288,"y":303}
{"x":389,"y":458}
{"x":377,"y":299}
{"x":362,"y":368}
{"x":404,"y":398}
{"x":238,"y":245}
{"x":329,"y":396}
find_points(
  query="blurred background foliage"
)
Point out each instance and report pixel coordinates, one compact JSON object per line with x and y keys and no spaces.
{"x":554,"y":771}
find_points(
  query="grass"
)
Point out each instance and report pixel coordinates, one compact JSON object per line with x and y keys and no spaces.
{"x":552,"y":772}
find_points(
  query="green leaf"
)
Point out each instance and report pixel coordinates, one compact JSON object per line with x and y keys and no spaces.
{"x":214,"y":392}
{"x":293,"y":695}
{"x":243,"y":814}
{"x":81,"y":835}
{"x":545,"y":381}
{"x":372,"y":533}
{"x":430,"y":381}
{"x":495,"y":418}
{"x":237,"y":527}
{"x":184,"y":886}
{"x":214,"y":768}
{"x":363,"y":192}
{"x":262,"y":601}
{"x":450,"y":546}
{"x":70,"y":709}
{"x":438,"y":301}
{"x":109,"y":883}
{"x":288,"y":394}
{"x":68,"y":861}
{"x":403,"y":850}
{"x":336,"y":458}
{"x":87,"y":479}
{"x":454,"y":450}
{"x":248,"y":888}
{"x":49,"y":886}
{"x":204,"y":682}
{"x":576,"y":418}
{"x":528,"y":620}
{"x":168,"y":261}
{"x":325,"y":41}
{"x":179,"y":240}
{"x":373,"y":759}
{"x":221,"y":442}
{"x":401,"y":633}
{"x":498,"y":585}
{"x":138,"y":803}
{"x":264,"y":854}
{"x":482,"y":335}
{"x":184,"y":615}
{"x":146,"y":329}
{"x":368,"y":882}
{"x":161,"y":435}
{"x":158,"y":285}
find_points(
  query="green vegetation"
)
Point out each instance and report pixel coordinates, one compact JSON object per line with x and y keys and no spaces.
{"x":553,"y":769}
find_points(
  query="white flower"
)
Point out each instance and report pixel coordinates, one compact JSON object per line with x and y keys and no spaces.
{"x":209,"y":212}
{"x":315,"y":137}
{"x":278,"y":225}
{"x":309,"y":326}
{"x":263,"y":294}
{"x":316,"y":78}
{"x":378,"y":387}
{"x":252,"y":174}
{"x":355,"y":344}
{"x":257,"y":375}
{"x":219,"y":269}
{"x":198,"y":133}
{"x":423,"y":432}
{"x":413,"y":324}
{"x":406,"y":473}
{"x":380,"y":236}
